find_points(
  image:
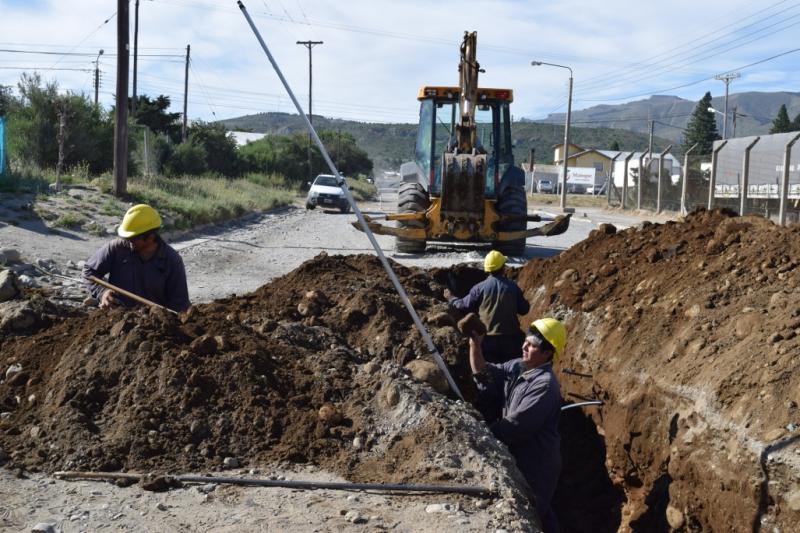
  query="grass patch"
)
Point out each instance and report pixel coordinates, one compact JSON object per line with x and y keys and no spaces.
{"x":69,"y":221}
{"x":361,"y":190}
{"x":26,"y":178}
{"x":194,"y":200}
{"x":573,"y":200}
{"x":111,"y":208}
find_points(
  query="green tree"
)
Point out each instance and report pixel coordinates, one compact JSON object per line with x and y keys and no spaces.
{"x":34,"y":125}
{"x":186,"y":158}
{"x":153,"y":114}
{"x":219,"y":145}
{"x":702,"y":127}
{"x":781,"y":123}
{"x":796,"y":123}
{"x":7,"y":100}
{"x":614,"y":146}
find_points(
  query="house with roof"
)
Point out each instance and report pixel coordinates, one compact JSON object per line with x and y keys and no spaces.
{"x":603,"y":160}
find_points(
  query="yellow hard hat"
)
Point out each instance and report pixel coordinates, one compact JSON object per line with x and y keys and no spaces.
{"x":139,"y":219}
{"x":553,"y":332}
{"x":494,"y":261}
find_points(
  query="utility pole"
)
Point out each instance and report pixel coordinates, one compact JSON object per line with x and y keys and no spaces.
{"x":649,"y":153}
{"x":121,"y":114}
{"x":97,"y":76}
{"x":727,"y":78}
{"x":185,"y":94}
{"x":309,"y":45}
{"x":135,"y":55}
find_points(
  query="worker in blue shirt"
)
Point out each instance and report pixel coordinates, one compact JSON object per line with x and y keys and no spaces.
{"x":139,"y":262}
{"x":530,"y":397}
{"x":498,"y":301}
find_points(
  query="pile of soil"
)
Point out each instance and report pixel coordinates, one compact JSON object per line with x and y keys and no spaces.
{"x":689,"y":332}
{"x":307,"y":369}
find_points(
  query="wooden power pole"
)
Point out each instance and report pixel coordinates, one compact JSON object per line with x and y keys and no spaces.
{"x":135,"y":55}
{"x":121,"y":115}
{"x":185,"y":93}
{"x":309,"y":45}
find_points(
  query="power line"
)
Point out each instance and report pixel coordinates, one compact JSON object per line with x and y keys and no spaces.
{"x":645,"y":62}
{"x":695,"y":82}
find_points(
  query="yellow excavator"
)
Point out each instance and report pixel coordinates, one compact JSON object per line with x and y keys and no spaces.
{"x":463,"y":184}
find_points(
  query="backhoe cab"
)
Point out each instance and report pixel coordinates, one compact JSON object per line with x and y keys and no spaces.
{"x":462,"y":184}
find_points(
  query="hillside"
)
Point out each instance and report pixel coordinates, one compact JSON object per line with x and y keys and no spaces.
{"x":759,"y":107}
{"x":389,"y":145}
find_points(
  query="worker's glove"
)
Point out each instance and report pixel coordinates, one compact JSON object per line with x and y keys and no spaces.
{"x":447,"y":295}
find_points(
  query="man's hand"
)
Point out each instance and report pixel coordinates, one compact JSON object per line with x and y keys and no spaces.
{"x":447,"y":294}
{"x":107,"y":299}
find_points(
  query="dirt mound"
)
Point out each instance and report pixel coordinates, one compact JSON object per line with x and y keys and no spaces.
{"x":689,"y":332}
{"x":307,"y":369}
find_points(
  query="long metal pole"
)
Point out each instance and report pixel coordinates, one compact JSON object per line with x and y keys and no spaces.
{"x":725,"y":118}
{"x":365,"y":228}
{"x":625,"y":180}
{"x":96,"y":80}
{"x":121,"y":112}
{"x":610,"y":180}
{"x":660,"y":170}
{"x":309,"y":485}
{"x":185,"y":94}
{"x":310,"y":45}
{"x":745,"y":172}
{"x":684,"y":186}
{"x":784,"y":192}
{"x":640,"y":186}
{"x":566,"y":146}
{"x":712,"y":182}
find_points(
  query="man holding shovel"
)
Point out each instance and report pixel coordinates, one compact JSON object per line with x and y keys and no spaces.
{"x":139,"y":262}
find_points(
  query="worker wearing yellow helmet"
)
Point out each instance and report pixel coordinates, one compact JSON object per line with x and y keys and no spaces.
{"x":521,"y":401}
{"x":139,"y":261}
{"x":498,"y":301}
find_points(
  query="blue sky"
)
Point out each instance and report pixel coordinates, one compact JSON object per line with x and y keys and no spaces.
{"x":377,"y":53}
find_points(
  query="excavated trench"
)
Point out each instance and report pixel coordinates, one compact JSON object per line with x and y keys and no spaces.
{"x":688,"y":332}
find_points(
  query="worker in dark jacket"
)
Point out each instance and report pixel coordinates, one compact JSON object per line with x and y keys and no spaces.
{"x":531,"y":403}
{"x":498,"y":301}
{"x":139,"y":262}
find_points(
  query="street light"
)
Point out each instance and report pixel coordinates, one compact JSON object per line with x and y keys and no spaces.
{"x":97,"y":75}
{"x":735,"y":114}
{"x":566,"y":133}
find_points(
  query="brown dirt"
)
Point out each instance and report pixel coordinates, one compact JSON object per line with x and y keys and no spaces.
{"x":255,"y":377}
{"x":689,"y":332}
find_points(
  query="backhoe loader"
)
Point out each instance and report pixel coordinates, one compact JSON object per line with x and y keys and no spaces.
{"x":463,"y":184}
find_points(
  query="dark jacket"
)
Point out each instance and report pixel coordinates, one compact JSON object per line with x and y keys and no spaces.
{"x":529,"y":424}
{"x":498,"y":301}
{"x":160,"y":279}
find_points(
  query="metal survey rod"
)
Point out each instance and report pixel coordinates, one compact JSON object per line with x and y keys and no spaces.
{"x":365,"y":228}
{"x":309,"y":485}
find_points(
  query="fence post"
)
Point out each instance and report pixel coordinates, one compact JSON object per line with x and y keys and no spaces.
{"x":784,"y":192}
{"x":745,"y":176}
{"x":625,"y":180}
{"x":712,"y":182}
{"x":641,"y":180}
{"x":610,"y":180}
{"x":684,"y":186}
{"x":660,"y":169}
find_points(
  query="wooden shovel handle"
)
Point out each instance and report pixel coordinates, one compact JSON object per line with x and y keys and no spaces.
{"x":130,"y":295}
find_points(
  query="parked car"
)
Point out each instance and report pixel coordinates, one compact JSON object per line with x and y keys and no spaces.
{"x":545,"y":187}
{"x":326,"y":192}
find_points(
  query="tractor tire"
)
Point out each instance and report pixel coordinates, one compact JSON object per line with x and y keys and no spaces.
{"x":512,"y":201}
{"x":310,"y":207}
{"x":344,"y":210}
{"x":411,"y":198}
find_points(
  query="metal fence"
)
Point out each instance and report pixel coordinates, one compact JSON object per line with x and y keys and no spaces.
{"x":2,"y":145}
{"x":759,"y":174}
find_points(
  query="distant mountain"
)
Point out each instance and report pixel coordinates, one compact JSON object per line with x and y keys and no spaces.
{"x":390,"y":145}
{"x":760,"y":109}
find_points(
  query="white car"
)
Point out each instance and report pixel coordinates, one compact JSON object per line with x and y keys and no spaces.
{"x":545,"y":186}
{"x":326,"y":192}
